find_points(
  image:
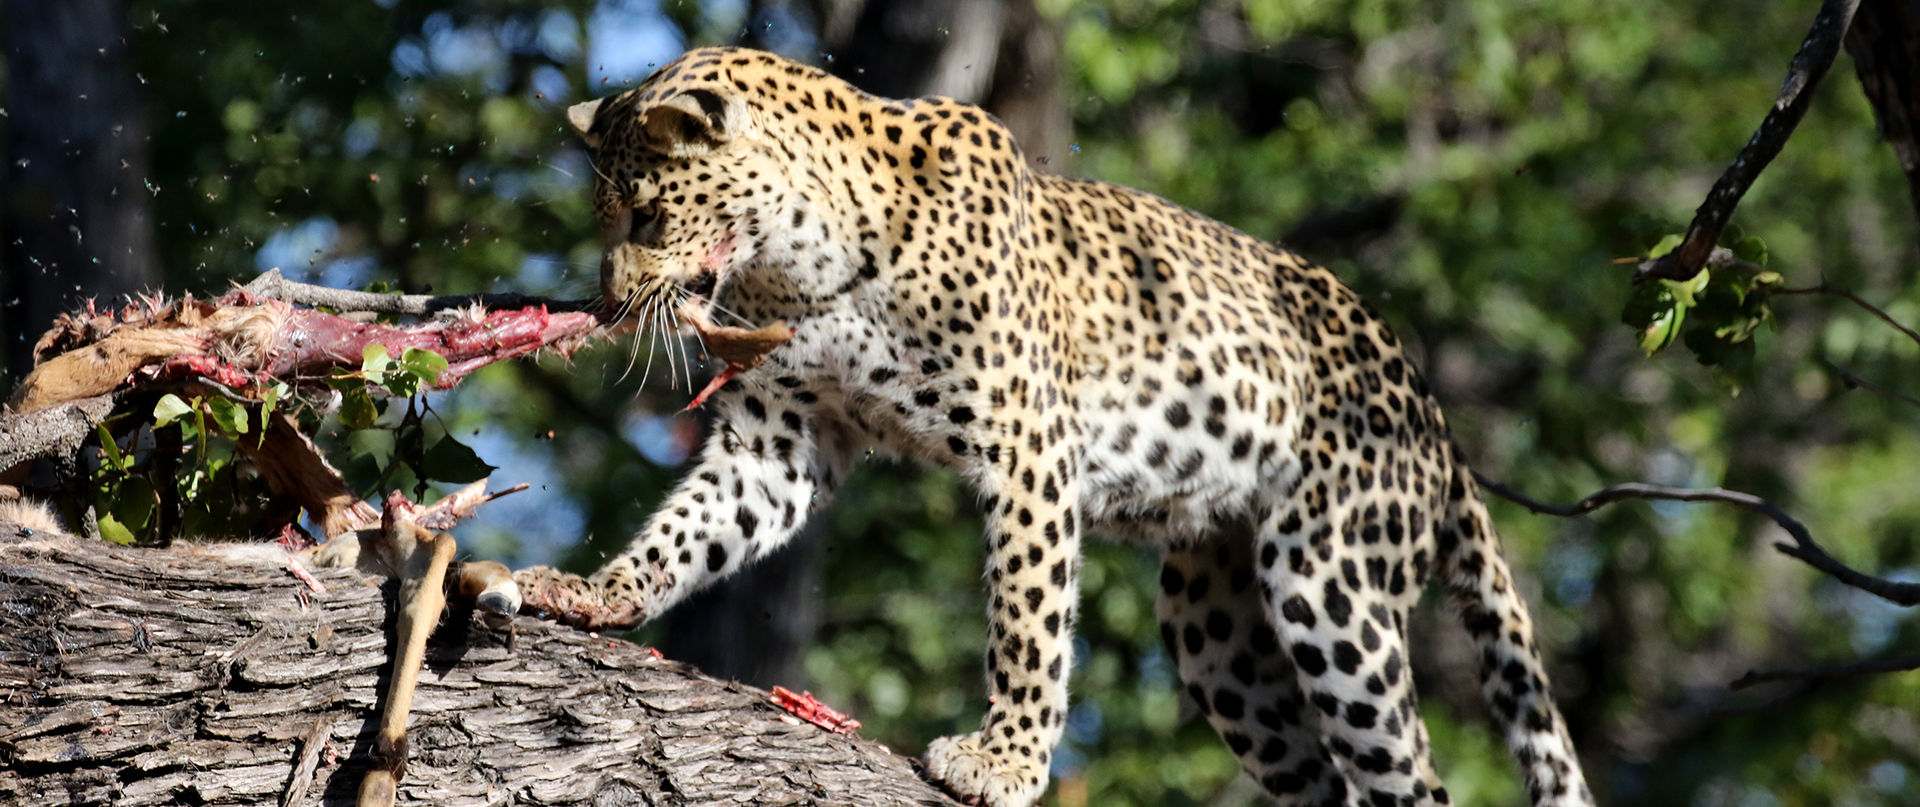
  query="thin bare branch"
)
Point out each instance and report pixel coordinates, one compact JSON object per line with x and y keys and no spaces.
{"x":1803,"y":547}
{"x":271,"y":285}
{"x":1857,"y":381}
{"x":1855,"y":298}
{"x":1869,"y":667}
{"x":1803,"y":74}
{"x":1794,"y":693}
{"x":1808,"y":679}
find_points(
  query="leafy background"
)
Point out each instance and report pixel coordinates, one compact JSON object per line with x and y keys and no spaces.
{"x":1472,"y":168}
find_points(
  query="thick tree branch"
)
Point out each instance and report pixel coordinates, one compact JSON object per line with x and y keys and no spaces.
{"x":136,"y":677}
{"x":1803,"y":547}
{"x":50,"y":432}
{"x":1816,"y":55}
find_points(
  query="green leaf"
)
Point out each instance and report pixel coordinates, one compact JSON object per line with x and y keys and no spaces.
{"x":200,"y":429}
{"x":375,"y":364}
{"x":269,"y":399}
{"x":1655,"y":314}
{"x":452,"y":461}
{"x":1727,"y":312}
{"x":1684,"y":290}
{"x":133,"y":503}
{"x":357,"y":410}
{"x":1666,"y":244}
{"x":110,"y":457}
{"x":425,"y":365}
{"x":401,"y":383}
{"x":1661,"y":331}
{"x":230,"y":417}
{"x":375,"y":444}
{"x":1751,"y":249}
{"x":114,"y":531}
{"x":169,"y":409}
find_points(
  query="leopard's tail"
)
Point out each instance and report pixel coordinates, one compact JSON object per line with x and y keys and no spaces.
{"x":1513,"y":677}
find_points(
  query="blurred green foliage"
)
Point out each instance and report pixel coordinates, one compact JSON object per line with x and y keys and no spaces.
{"x":1474,"y":169}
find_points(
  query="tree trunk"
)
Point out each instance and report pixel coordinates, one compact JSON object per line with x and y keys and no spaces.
{"x":131,"y":676}
{"x":75,"y":221}
{"x":910,"y":48}
{"x":1029,"y":89}
{"x":1884,"y":42}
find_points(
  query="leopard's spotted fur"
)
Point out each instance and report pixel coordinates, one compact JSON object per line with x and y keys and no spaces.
{"x":1093,"y":359}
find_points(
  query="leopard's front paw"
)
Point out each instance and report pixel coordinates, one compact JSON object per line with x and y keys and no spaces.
{"x":993,"y":775}
{"x":570,"y":599}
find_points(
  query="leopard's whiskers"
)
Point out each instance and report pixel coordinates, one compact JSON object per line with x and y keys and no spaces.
{"x":670,"y":334}
{"x":686,"y":358}
{"x":599,"y":173}
{"x":633,"y":353}
{"x":716,"y":306}
{"x":648,"y":326}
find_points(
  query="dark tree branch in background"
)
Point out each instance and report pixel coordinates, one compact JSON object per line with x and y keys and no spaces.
{"x":1803,"y":547}
{"x":1883,"y":46}
{"x":1869,"y":667}
{"x":1816,"y":54}
{"x":1856,"y":381}
{"x":1793,"y":693}
{"x":1855,"y":298}
{"x":1807,"y":679}
{"x":1328,"y":228}
{"x":1852,"y":379}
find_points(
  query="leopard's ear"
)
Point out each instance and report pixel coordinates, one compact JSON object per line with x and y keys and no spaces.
{"x":692,"y":120}
{"x":581,"y":116}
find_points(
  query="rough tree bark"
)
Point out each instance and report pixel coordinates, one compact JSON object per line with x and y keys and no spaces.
{"x":138,"y":676}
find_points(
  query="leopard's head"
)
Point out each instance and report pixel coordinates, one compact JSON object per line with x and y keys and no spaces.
{"x":691,"y":191}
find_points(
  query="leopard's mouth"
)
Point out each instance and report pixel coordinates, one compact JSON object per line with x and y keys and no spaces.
{"x":697,"y":297}
{"x":703,"y":283}
{"x":699,"y":291}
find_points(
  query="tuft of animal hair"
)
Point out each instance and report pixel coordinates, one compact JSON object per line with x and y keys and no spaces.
{"x":30,"y":516}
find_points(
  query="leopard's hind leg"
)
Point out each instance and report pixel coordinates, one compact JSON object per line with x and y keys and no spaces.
{"x":1214,"y":622}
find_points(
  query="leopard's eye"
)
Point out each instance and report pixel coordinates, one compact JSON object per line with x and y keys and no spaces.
{"x":644,"y":224}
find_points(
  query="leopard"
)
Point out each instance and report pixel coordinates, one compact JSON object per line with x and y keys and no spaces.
{"x":1092,"y":360}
